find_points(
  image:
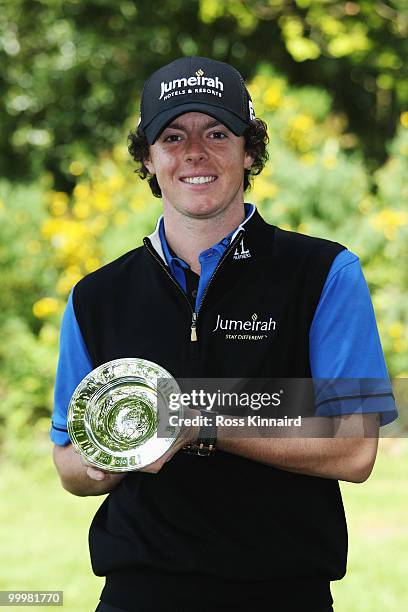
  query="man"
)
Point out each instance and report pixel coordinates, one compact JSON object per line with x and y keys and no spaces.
{"x":259,"y":524}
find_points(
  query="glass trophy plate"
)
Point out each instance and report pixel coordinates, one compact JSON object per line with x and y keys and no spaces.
{"x":115,"y":411}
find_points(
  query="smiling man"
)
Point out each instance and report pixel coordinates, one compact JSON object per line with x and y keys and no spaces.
{"x":216,"y":292}
{"x":208,"y":187}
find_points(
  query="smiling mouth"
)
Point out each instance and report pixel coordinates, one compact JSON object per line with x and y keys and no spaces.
{"x":198,"y":180}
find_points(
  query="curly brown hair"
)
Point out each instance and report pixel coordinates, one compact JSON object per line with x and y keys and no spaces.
{"x":256,"y":140}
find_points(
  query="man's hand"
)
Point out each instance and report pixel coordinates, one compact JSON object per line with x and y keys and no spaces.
{"x":98,"y":474}
{"x":81,"y":478}
{"x":186,"y":436}
{"x":347,"y":454}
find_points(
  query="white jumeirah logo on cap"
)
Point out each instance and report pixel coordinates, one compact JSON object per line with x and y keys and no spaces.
{"x":191,"y":85}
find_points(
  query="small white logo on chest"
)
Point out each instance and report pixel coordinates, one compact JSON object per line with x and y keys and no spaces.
{"x":241,"y":252}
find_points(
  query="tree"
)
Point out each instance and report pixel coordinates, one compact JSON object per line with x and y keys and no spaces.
{"x":72,"y":71}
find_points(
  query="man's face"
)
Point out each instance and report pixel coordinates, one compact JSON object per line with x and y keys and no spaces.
{"x":199,"y":165}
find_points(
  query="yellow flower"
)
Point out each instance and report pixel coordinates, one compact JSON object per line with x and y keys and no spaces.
{"x":365,"y":204}
{"x":115,"y":182}
{"x":396,"y":330}
{"x":81,"y":191}
{"x":73,"y":270}
{"x":98,"y":224}
{"x":302,"y":228}
{"x":47,"y":228}
{"x":62,"y":231}
{"x":302,"y":123}
{"x":389,"y":221}
{"x":91,"y":264}
{"x":83,"y":251}
{"x":329,"y":162}
{"x":308,"y":159}
{"x":58,"y":208}
{"x":399,"y":346}
{"x":273,"y":95}
{"x":102,"y":201}
{"x":299,"y":131}
{"x":66,"y":282}
{"x":404,"y":119}
{"x":120,"y":153}
{"x":76,"y":168}
{"x":81,"y":210}
{"x":264,"y":190}
{"x":286,"y":226}
{"x":45,"y":307}
{"x":48,"y":334}
{"x":59,"y":203}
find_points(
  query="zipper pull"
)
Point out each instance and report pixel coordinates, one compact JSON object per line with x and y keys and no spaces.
{"x":194,"y":327}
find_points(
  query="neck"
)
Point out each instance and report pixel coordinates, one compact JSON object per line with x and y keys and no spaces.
{"x":190,"y":236}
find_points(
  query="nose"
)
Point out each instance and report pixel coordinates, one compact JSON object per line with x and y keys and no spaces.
{"x":195,"y":152}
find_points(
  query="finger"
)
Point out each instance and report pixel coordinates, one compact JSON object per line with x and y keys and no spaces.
{"x":95,"y":474}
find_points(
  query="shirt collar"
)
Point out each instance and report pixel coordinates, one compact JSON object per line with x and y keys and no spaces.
{"x":220,"y":247}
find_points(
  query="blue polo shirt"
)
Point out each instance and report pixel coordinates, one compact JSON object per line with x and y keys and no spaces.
{"x":343,"y":339}
{"x":209,"y":260}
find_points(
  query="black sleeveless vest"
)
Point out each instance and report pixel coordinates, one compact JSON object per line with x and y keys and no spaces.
{"x":224,"y":516}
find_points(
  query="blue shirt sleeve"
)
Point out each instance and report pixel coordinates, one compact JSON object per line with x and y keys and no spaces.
{"x":74,"y":364}
{"x":345,"y":349}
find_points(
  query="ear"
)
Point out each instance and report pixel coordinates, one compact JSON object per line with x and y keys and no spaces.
{"x":248,"y":161}
{"x":149,"y":165}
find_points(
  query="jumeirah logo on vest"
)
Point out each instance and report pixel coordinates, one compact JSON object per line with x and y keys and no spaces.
{"x":252,"y":326}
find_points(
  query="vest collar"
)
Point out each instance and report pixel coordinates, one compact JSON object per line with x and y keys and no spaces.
{"x":252,"y":224}
{"x":156,"y":242}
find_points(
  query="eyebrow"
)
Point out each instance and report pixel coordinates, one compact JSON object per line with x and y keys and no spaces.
{"x":178,"y":126}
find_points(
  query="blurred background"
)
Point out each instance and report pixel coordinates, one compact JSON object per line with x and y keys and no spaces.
{"x":330,"y":79}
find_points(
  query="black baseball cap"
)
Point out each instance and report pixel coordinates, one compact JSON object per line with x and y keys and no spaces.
{"x":195,"y":84}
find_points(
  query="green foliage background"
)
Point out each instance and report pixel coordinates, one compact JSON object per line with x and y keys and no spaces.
{"x":330,"y":79}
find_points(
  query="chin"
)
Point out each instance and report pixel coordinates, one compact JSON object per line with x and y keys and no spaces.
{"x":202,"y":209}
{"x":204,"y":212}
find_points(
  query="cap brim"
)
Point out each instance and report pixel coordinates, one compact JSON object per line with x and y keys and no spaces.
{"x":229,"y":119}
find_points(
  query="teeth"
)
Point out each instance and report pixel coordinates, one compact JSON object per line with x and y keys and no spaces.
{"x":197,"y":180}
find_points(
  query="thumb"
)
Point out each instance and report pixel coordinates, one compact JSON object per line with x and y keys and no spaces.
{"x":95,"y":474}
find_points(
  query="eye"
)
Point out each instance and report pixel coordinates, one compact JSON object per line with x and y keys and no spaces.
{"x":218,"y":135}
{"x":172,"y":138}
